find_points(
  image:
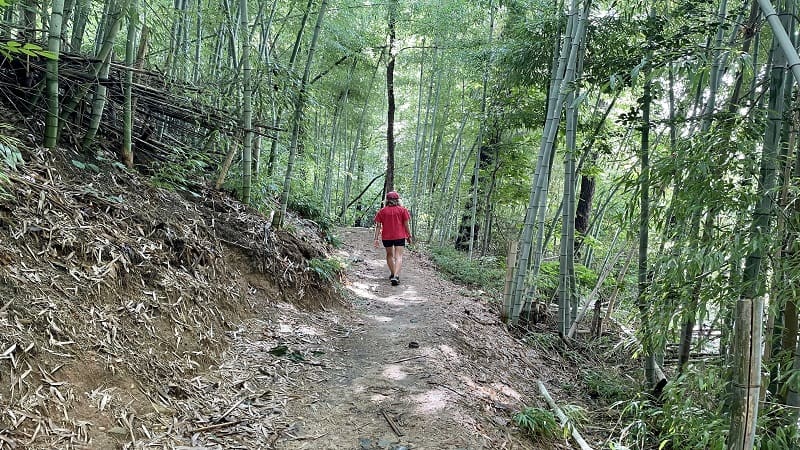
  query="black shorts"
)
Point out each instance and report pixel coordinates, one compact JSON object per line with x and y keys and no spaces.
{"x":394,"y":242}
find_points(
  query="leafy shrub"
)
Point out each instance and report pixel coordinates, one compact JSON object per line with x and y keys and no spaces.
{"x":690,"y":416}
{"x":584,"y":276}
{"x":484,"y":272}
{"x":327,"y":268}
{"x":777,"y":437}
{"x":538,"y":422}
{"x":184,"y":171}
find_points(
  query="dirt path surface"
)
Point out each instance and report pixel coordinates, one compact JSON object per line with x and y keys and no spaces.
{"x":422,"y":365}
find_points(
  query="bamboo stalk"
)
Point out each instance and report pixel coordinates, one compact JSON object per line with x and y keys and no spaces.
{"x":563,"y":418}
{"x":511,"y":258}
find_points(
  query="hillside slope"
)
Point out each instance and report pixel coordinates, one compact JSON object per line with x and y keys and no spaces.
{"x":115,"y":296}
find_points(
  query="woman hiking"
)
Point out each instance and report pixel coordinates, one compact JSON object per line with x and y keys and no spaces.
{"x":391,"y":228}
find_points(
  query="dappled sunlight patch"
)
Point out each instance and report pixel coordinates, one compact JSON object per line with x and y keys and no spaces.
{"x":430,"y":402}
{"x":382,"y":319}
{"x":394,"y":301}
{"x":496,"y":391}
{"x":409,"y":297}
{"x":449,"y":352}
{"x":307,"y":330}
{"x":378,"y":263}
{"x":411,"y":293}
{"x":395,"y":372}
{"x":362,"y":290}
{"x":379,"y":398}
{"x":507,"y":391}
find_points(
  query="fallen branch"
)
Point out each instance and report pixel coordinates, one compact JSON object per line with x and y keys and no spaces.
{"x":392,"y":424}
{"x":215,"y":426}
{"x":563,"y":418}
{"x":407,"y":359}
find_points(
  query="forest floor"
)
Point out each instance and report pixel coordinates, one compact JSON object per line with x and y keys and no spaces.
{"x":423,"y":365}
{"x":134,"y":317}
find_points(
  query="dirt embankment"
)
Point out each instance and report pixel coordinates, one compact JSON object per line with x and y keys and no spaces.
{"x":115,"y":296}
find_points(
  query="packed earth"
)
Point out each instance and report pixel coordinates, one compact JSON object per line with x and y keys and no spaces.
{"x":426,"y":365}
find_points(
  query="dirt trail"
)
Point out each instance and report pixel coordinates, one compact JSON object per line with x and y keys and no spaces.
{"x":422,"y":365}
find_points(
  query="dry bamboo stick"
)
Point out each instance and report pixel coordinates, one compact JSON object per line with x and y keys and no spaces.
{"x":392,"y":424}
{"x":563,"y":418}
{"x":593,"y":296}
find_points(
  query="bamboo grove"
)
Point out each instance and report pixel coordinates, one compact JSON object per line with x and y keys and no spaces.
{"x":651,"y":143}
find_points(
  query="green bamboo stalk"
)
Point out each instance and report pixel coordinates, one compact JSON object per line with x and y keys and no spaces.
{"x":277,"y":221}
{"x":247,"y":102}
{"x":130,"y":58}
{"x":51,"y":77}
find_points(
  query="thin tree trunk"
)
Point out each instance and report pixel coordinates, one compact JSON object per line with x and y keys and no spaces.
{"x":748,"y":325}
{"x":644,"y":223}
{"x":278,"y":118}
{"x":69,"y":8}
{"x":104,"y":55}
{"x":481,"y":133}
{"x":79,"y":25}
{"x":415,"y":180}
{"x":300,"y":102}
{"x":28,"y":17}
{"x":538,"y":196}
{"x":351,"y":166}
{"x":130,"y":58}
{"x":388,"y":184}
{"x":54,"y":46}
{"x":247,"y":102}
{"x":198,"y":45}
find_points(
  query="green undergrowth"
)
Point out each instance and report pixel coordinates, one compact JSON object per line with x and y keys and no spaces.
{"x":538,"y":423}
{"x":585,"y":277}
{"x":608,"y":385}
{"x":327,"y":268}
{"x":689,"y":415}
{"x":541,"y":424}
{"x":10,"y":157}
{"x":486,"y":272}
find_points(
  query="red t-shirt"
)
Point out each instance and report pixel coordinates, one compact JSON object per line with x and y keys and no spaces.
{"x":392,"y":219}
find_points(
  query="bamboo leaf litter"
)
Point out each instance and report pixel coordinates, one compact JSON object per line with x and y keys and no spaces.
{"x":116,"y":297}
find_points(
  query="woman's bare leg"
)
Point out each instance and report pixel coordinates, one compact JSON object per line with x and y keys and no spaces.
{"x":390,"y":260}
{"x":398,"y":260}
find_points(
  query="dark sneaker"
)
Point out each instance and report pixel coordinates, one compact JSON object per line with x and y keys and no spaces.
{"x":391,"y":275}
{"x":395,"y":281}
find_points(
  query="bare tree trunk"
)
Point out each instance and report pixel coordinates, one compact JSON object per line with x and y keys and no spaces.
{"x":130,"y":58}
{"x":79,"y":25}
{"x":748,"y":325}
{"x":388,"y":184}
{"x":351,"y":166}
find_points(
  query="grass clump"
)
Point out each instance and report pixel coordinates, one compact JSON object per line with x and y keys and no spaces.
{"x":486,"y":272}
{"x":538,"y":422}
